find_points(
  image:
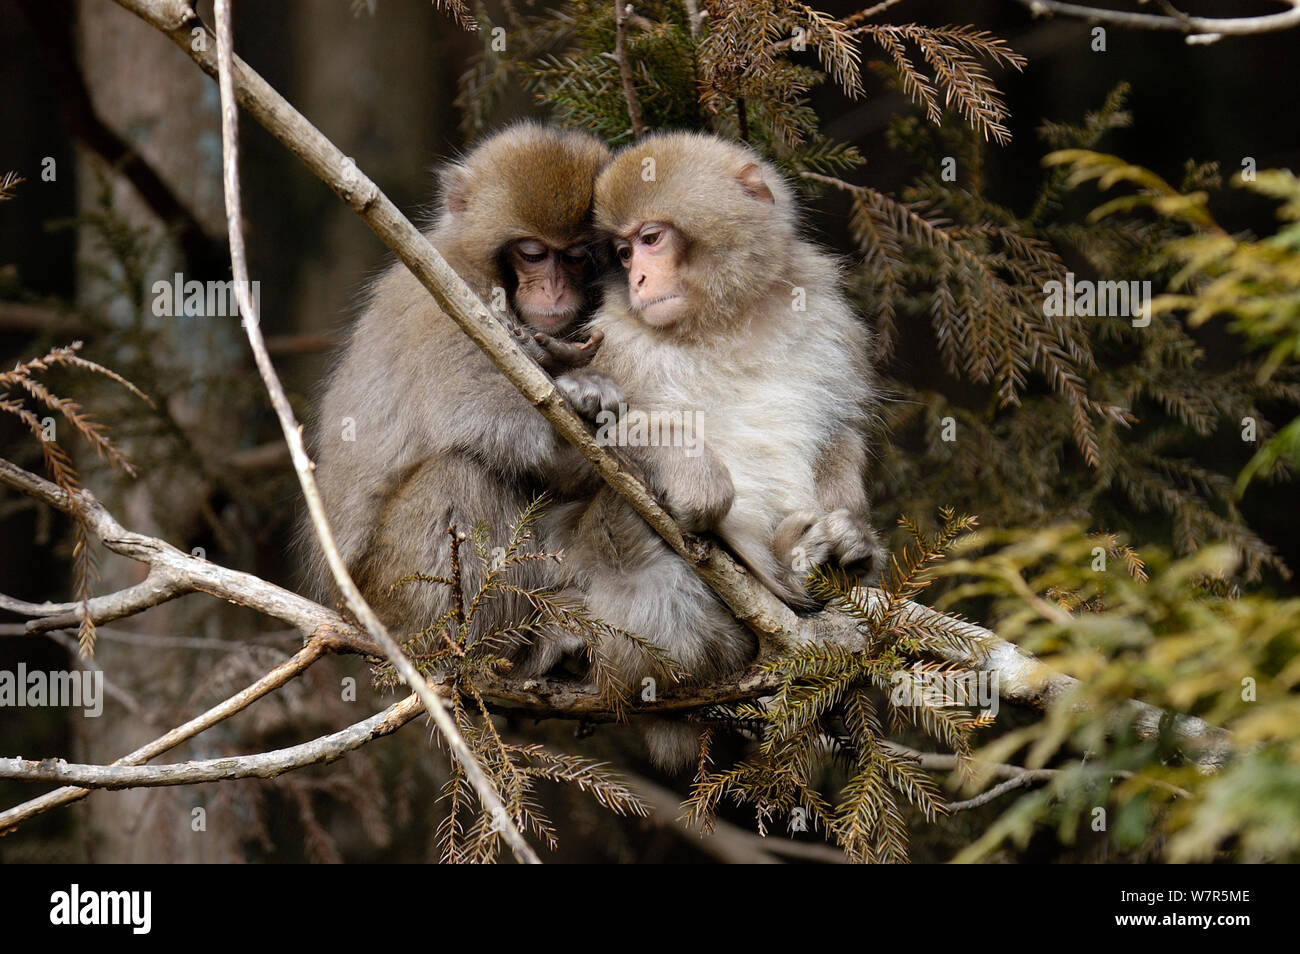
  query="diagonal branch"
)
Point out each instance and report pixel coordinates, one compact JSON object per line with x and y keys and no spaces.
{"x":483,"y":786}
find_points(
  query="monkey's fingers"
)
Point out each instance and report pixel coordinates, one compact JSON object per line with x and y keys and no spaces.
{"x":567,"y":354}
{"x":593,"y":343}
{"x":560,"y":354}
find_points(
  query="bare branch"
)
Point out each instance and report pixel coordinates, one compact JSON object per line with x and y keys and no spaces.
{"x":316,"y":647}
{"x":1203,"y":28}
{"x":621,"y":8}
{"x":198,"y":575}
{"x":483,"y":786}
{"x":161,"y":585}
{"x":1021,"y":776}
{"x":321,"y":751}
{"x":1025,"y":778}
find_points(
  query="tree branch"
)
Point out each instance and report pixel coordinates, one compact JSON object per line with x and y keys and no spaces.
{"x":197,"y":575}
{"x":474,"y":772}
{"x":1177,"y":22}
{"x":161,"y":585}
{"x":315,"y":647}
{"x":634,"y":116}
{"x":321,"y":751}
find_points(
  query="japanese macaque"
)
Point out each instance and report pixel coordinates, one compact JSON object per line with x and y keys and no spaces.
{"x":417,"y":431}
{"x":749,"y":387}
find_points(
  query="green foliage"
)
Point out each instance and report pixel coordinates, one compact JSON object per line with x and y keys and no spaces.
{"x":1253,"y":283}
{"x":1117,"y":444}
{"x":1180,"y":641}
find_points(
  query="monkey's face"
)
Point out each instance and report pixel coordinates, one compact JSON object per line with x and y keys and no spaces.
{"x":654,"y":255}
{"x":549,"y":282}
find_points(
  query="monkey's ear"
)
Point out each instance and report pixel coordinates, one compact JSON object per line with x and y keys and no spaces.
{"x":456,"y":183}
{"x":750,"y":178}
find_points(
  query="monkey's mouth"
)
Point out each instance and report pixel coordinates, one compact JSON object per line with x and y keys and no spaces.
{"x":550,"y":319}
{"x":645,"y":306}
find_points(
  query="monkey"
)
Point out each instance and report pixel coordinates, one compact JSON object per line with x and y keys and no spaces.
{"x":726,"y":322}
{"x":417,"y":431}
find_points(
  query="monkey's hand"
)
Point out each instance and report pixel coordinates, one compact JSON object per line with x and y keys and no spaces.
{"x":590,"y":392}
{"x":563,"y":356}
{"x":554,"y":354}
{"x":697,"y":492}
{"x":807,"y":539}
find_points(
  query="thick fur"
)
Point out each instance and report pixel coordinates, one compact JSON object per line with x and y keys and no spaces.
{"x":783,"y":397}
{"x":441,"y":437}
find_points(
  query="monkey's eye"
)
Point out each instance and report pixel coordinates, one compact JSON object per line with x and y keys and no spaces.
{"x":625,"y":253}
{"x":575,"y":255}
{"x":532,"y":251}
{"x":651,"y":238}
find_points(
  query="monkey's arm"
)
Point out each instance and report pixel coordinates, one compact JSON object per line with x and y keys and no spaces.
{"x":691,"y":482}
{"x":840,"y":529}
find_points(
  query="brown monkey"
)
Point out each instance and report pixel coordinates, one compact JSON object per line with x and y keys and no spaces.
{"x":417,"y":431}
{"x":741,"y":358}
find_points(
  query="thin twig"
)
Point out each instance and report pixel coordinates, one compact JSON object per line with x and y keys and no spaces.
{"x":302,"y":463}
{"x":1213,"y":26}
{"x":625,"y":69}
{"x":326,"y":749}
{"x":273,"y":680}
{"x":1025,"y":778}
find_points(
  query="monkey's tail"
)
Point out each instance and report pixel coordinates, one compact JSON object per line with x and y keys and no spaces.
{"x":673,"y":746}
